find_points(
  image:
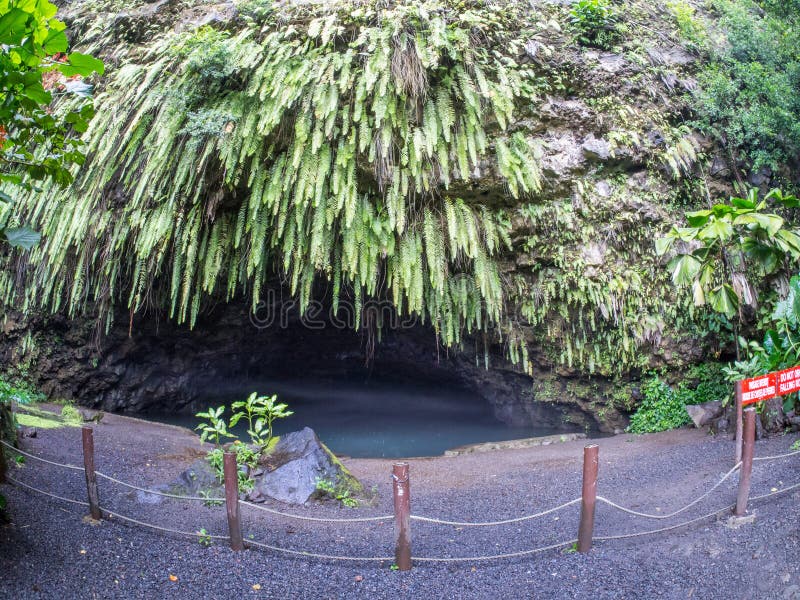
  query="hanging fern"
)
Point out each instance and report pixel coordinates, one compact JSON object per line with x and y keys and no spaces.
{"x":320,"y":146}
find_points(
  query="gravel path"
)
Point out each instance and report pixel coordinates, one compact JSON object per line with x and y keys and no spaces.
{"x":49,"y":551}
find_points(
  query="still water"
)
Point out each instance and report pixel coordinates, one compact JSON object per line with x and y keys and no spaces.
{"x":376,"y":420}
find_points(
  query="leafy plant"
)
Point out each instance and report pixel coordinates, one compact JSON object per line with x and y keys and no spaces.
{"x":780,"y":348}
{"x":214,"y":427}
{"x":203,"y":538}
{"x":337,"y":492}
{"x":246,"y":459}
{"x":662,"y":408}
{"x":19,"y":392}
{"x":36,"y":142}
{"x":345,"y":129}
{"x":71,"y":414}
{"x":594,"y":20}
{"x":722,"y":245}
{"x":210,"y":500}
{"x":260,"y":412}
{"x":748,"y":98}
{"x":688,"y":24}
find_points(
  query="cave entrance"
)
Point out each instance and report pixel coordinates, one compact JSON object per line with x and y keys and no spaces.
{"x":412,"y":399}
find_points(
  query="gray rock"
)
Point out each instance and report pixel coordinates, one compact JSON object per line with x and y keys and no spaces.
{"x":28,"y":432}
{"x":703,"y":414}
{"x":595,"y":149}
{"x":721,"y":425}
{"x":303,"y":459}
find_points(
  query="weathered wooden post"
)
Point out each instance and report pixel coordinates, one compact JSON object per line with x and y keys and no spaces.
{"x":738,"y":391}
{"x":591,"y":462}
{"x":402,"y":515}
{"x":87,"y":435}
{"x":747,"y":462}
{"x":231,"y":473}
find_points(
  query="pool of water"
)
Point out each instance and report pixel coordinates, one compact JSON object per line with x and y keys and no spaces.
{"x":377,"y":420}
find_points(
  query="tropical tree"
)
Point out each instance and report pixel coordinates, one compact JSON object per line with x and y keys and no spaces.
{"x":719,"y":247}
{"x":38,"y":142}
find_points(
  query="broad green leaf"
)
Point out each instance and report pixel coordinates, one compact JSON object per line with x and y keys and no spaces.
{"x":716,"y":229}
{"x":772,"y":223}
{"x":772,"y":341}
{"x":22,"y":237}
{"x":55,"y":42}
{"x":663,"y":245}
{"x":698,"y":218}
{"x":722,"y":210}
{"x":37,"y":93}
{"x":684,"y":268}
{"x":82,"y":64}
{"x":724,"y":300}
{"x":743,"y":203}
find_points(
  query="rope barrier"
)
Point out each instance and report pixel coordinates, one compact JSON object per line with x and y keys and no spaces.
{"x":677,"y":512}
{"x":322,"y":556}
{"x":775,"y":493}
{"x":493,"y":523}
{"x":35,"y":489}
{"x":495,"y":556}
{"x":317,"y":519}
{"x":663,"y":529}
{"x":114,"y":515}
{"x":776,"y":457}
{"x":44,"y":460}
{"x":154,"y":492}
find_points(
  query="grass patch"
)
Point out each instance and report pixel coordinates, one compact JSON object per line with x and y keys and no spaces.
{"x":30,"y":416}
{"x":41,"y":422}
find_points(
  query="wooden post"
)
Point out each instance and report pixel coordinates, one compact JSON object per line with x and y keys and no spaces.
{"x":591,"y":464}
{"x":402,"y":515}
{"x":87,"y":435}
{"x":2,"y":464}
{"x":231,"y":472}
{"x":747,"y":462}
{"x":738,"y":391}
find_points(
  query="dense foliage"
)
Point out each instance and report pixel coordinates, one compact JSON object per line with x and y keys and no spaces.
{"x":664,"y":407}
{"x":37,"y":144}
{"x":780,"y":348}
{"x":728,"y":246}
{"x":749,"y":95}
{"x":345,"y":136}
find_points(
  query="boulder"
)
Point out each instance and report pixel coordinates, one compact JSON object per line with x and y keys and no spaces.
{"x":703,"y":414}
{"x":302,"y":460}
{"x":288,"y":473}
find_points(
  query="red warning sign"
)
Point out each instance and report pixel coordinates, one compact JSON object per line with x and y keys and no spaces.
{"x":764,"y":387}
{"x":758,"y":389}
{"x":788,"y":381}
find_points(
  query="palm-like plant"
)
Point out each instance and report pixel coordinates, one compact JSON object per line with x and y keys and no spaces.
{"x":260,"y":412}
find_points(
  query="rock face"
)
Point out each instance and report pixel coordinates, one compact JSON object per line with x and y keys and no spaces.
{"x":303,"y":461}
{"x":703,"y":414}
{"x":601,"y":309}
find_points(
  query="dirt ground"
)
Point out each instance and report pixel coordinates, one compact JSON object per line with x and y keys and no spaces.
{"x":655,"y":474}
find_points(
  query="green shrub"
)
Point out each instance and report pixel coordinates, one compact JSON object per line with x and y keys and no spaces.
{"x":749,"y":96}
{"x":689,"y":26}
{"x":19,"y":392}
{"x":662,"y":408}
{"x":70,"y":414}
{"x":594,"y":22}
